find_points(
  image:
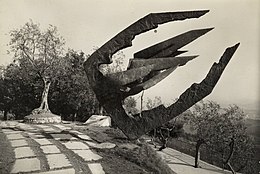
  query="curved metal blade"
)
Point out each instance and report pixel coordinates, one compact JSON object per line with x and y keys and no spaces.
{"x":168,"y":47}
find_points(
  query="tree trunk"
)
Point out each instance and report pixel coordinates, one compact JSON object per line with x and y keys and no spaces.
{"x":44,"y":107}
{"x":197,"y":156}
{"x":231,"y":146}
{"x":44,"y":104}
{"x":5,"y":115}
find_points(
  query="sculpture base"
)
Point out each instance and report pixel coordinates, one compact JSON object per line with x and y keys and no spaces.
{"x":44,"y":118}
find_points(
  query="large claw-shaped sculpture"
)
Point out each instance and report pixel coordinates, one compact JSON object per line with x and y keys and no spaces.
{"x":147,"y":68}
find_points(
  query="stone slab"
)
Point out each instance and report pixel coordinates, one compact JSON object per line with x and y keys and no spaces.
{"x":87,"y":155}
{"x":43,"y":141}
{"x":3,"y":124}
{"x":102,"y":145}
{"x":75,"y":132}
{"x":7,"y":130}
{"x":32,"y":164}
{"x":12,"y":132}
{"x":43,"y":126}
{"x":96,"y":168}
{"x":14,"y":136}
{"x":23,"y":152}
{"x":24,"y":126}
{"x":75,"y":145}
{"x":35,"y":135}
{"x":85,"y":137}
{"x":99,"y":120}
{"x":56,"y":161}
{"x":51,"y":130}
{"x":62,"y":171}
{"x":18,"y":143}
{"x":63,"y":137}
{"x":62,"y":127}
{"x":50,"y":149}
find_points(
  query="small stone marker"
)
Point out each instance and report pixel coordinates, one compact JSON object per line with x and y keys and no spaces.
{"x":22,"y":152}
{"x":42,"y":141}
{"x":87,"y":155}
{"x":57,"y":161}
{"x":96,"y":168}
{"x":75,"y":145}
{"x":26,"y":165}
{"x":18,"y":143}
{"x":14,"y":136}
{"x":50,"y":149}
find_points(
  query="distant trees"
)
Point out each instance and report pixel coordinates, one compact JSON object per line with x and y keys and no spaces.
{"x":224,"y":133}
{"x":172,"y":129}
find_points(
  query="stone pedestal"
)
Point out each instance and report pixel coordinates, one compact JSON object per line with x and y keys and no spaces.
{"x":43,"y":118}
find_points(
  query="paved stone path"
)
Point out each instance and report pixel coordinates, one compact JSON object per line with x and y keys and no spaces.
{"x":52,"y":149}
{"x":183,"y":164}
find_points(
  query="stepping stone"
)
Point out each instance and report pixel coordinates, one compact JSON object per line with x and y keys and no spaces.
{"x":102,"y":145}
{"x":62,"y":171}
{"x":14,"y":136}
{"x":26,"y":165}
{"x":62,"y":127}
{"x":51,"y":130}
{"x":18,"y":143}
{"x":63,"y":137}
{"x":3,"y":124}
{"x":96,"y":168}
{"x":35,"y":135}
{"x":7,"y":130}
{"x":24,"y":126}
{"x":43,"y":141}
{"x":75,"y":145}
{"x":43,"y":126}
{"x":57,"y":161}
{"x":12,"y":132}
{"x":22,"y":152}
{"x":85,"y":137}
{"x":76,"y":132}
{"x":87,"y":155}
{"x":50,"y":149}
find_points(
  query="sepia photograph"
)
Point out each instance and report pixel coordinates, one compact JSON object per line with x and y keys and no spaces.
{"x":129,"y":87}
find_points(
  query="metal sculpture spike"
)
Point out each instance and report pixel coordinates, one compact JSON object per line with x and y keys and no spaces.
{"x":146,"y":69}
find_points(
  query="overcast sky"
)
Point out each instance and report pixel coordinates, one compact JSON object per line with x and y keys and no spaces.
{"x":90,"y":23}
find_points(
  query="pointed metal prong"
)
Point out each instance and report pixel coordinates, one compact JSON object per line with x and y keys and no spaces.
{"x":160,"y":63}
{"x":163,"y":49}
{"x":129,"y":76}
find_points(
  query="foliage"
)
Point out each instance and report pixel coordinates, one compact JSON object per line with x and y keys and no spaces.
{"x":70,"y":93}
{"x":130,"y":106}
{"x":116,"y":65}
{"x":150,"y":104}
{"x":217,"y":126}
{"x":36,"y":53}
